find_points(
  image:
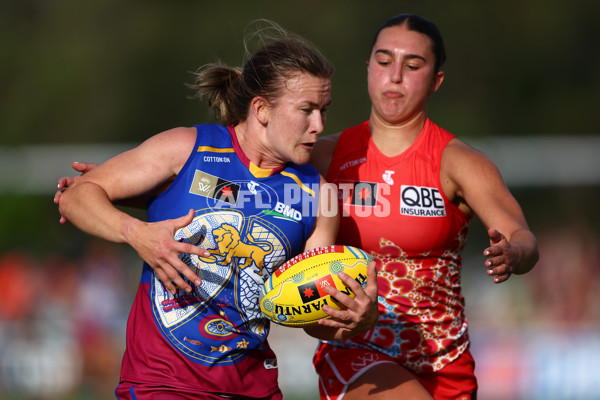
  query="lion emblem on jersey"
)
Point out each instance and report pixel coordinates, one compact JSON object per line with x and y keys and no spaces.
{"x":229,"y":244}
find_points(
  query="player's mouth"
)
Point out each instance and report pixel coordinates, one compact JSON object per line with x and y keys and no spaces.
{"x":392,"y":94}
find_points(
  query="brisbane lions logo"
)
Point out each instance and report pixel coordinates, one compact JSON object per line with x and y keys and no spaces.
{"x":230,"y":244}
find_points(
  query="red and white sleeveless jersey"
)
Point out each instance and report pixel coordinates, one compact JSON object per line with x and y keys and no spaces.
{"x":396,"y":210}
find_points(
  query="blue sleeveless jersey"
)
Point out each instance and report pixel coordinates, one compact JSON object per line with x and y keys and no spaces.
{"x":251,"y":220}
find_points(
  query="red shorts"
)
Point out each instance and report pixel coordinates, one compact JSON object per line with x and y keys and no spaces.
{"x":135,"y":391}
{"x":338,"y":367}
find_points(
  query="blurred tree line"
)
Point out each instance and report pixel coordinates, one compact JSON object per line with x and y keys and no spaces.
{"x":105,"y":71}
{"x":108,"y":70}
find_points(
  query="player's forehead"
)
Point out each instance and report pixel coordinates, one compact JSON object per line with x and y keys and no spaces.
{"x":306,"y":88}
{"x":302,"y":83}
{"x":399,"y":39}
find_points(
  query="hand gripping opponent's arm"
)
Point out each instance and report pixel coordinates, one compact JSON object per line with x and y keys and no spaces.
{"x":88,"y":204}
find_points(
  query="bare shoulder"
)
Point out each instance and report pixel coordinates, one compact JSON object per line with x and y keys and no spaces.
{"x":156,"y":161}
{"x":175,"y":138}
{"x":466,"y":172}
{"x":460,"y":158}
{"x":478,"y":188}
{"x":172,"y":147}
{"x":458,"y":148}
{"x":322,"y":153}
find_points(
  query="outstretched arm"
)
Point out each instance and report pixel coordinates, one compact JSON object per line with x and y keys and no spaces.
{"x":474,"y":182}
{"x":517,"y":255}
{"x":83,"y":167}
{"x":88,"y":204}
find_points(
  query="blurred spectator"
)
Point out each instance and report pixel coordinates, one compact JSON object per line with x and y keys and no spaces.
{"x":39,"y":358}
{"x":17,"y":286}
{"x":101,"y":313}
{"x":566,"y":284}
{"x":62,"y":323}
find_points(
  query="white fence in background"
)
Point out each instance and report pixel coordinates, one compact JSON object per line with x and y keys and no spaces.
{"x":523,"y":161}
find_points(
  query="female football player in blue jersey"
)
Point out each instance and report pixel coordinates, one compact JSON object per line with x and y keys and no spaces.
{"x":228,"y":204}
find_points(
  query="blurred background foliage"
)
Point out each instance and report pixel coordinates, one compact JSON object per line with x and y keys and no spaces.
{"x":108,"y":71}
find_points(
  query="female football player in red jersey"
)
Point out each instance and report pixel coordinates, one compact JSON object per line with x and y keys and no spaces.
{"x":408,"y":191}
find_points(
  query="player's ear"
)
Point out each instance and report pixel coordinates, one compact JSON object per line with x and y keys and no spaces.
{"x":436,"y":82}
{"x":260,"y":109}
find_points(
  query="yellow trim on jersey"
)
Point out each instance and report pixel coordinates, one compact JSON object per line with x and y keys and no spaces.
{"x":302,"y":186}
{"x":215,"y":149}
{"x":258,"y":171}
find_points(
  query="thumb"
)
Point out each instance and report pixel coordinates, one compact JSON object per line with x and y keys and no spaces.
{"x":495,"y":236}
{"x":83,"y":167}
{"x":372,"y":278}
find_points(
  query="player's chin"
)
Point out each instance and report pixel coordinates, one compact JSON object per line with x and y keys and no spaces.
{"x":302,"y":157}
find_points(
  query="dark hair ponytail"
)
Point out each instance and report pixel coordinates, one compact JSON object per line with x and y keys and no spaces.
{"x":281,"y":54}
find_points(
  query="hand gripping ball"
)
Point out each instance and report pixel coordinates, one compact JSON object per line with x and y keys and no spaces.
{"x":294,"y":295}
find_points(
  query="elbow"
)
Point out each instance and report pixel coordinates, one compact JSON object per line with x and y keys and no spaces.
{"x":70,"y":199}
{"x":64,"y":206}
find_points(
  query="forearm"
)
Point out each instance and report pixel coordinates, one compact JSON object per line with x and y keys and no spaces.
{"x":87,"y":206}
{"x":358,"y":314}
{"x":525,"y":244}
{"x":328,"y":333}
{"x":323,"y":332}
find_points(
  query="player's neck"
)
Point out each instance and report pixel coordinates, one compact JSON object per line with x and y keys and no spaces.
{"x":250,"y":139}
{"x":394,"y":139}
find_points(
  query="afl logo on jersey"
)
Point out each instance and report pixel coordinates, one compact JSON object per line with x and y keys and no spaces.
{"x":420,"y":201}
{"x":217,"y":188}
{"x":252,"y":187}
{"x":364,"y":194}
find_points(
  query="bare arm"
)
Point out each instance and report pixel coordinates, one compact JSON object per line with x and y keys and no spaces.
{"x":87,"y":203}
{"x":326,"y":224}
{"x":66,"y":181}
{"x":63,"y":183}
{"x":472,"y":181}
{"x":322,"y":154}
{"x":360,"y":313}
